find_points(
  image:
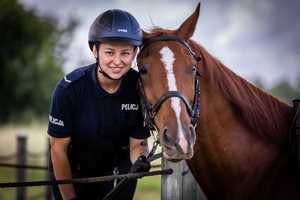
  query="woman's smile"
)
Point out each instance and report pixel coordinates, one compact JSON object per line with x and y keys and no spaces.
{"x":116,"y":70}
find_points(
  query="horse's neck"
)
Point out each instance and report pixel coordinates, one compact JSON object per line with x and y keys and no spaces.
{"x":241,"y":131}
{"x":256,"y":110}
{"x":234,"y":149}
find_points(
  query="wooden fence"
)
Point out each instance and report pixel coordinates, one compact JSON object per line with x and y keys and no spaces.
{"x":21,"y":169}
{"x":181,"y":185}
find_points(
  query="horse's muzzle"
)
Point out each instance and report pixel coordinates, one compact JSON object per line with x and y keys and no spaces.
{"x":177,"y":148}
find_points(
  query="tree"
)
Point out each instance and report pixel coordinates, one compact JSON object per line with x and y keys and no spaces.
{"x":285,"y":91}
{"x":30,"y":64}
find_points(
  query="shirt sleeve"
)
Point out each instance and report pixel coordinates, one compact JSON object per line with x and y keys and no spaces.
{"x":60,"y":115}
{"x":140,"y":131}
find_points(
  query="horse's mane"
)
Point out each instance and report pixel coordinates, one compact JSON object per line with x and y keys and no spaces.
{"x":262,"y":113}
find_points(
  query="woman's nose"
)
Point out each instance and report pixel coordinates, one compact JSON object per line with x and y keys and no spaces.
{"x":117,"y":59}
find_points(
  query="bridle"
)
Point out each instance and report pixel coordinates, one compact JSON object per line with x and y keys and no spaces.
{"x":149,"y":110}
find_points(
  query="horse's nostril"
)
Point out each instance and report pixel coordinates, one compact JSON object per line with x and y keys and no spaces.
{"x":166,"y":138}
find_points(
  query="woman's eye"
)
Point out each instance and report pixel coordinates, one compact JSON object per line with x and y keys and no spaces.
{"x":125,"y":53}
{"x":108,"y":53}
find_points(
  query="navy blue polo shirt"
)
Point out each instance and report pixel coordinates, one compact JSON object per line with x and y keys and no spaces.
{"x":99,"y":123}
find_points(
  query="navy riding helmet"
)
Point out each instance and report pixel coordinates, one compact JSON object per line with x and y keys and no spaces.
{"x":115,"y":25}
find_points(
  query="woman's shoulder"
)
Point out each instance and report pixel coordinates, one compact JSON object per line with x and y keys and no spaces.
{"x":74,"y":77}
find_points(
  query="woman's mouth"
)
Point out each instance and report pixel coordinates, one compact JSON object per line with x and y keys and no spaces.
{"x":116,"y":69}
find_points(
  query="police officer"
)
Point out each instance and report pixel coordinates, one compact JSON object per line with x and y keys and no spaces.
{"x":95,"y":122}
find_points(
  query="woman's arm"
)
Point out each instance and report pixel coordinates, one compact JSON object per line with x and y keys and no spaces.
{"x":138,"y":147}
{"x":61,"y":165}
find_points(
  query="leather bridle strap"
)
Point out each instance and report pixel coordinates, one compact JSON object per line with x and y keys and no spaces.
{"x":168,"y":95}
{"x":149,"y":110}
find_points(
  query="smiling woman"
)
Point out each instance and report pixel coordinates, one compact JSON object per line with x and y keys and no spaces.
{"x":95,"y":124}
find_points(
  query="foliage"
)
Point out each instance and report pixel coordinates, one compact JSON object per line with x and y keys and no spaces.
{"x":283,"y":89}
{"x":30,"y":62}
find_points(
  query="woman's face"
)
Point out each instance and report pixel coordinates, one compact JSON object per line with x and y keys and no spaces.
{"x":115,"y":58}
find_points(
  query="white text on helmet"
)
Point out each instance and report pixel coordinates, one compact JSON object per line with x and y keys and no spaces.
{"x":122,"y":30}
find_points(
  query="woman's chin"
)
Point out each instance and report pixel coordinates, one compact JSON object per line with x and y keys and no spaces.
{"x":116,"y":75}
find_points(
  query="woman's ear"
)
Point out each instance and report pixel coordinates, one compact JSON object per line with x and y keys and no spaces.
{"x":95,"y":52}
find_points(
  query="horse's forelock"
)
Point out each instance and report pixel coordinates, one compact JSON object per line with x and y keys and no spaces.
{"x":158,"y":31}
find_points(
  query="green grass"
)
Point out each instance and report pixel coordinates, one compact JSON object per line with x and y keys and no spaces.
{"x":9,"y":175}
{"x":148,"y":188}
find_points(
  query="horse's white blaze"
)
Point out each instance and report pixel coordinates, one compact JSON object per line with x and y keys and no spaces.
{"x":167,"y":57}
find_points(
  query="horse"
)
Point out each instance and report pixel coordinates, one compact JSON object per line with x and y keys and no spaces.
{"x":233,"y":135}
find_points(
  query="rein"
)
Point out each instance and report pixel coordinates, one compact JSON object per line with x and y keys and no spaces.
{"x":149,"y":110}
{"x":86,"y":180}
{"x":124,"y":177}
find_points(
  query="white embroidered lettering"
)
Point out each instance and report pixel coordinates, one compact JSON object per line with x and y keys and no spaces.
{"x":55,"y":121}
{"x":129,"y":106}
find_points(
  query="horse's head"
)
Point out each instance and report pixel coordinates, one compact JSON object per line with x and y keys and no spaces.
{"x":170,"y":87}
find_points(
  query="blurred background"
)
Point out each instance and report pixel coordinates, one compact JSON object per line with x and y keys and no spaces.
{"x":42,"y":40}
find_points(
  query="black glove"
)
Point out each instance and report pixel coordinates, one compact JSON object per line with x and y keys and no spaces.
{"x":141,"y":165}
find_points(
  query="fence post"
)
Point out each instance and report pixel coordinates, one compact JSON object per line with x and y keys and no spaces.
{"x":180,"y":185}
{"x":191,"y":188}
{"x":21,"y":160}
{"x":171,"y":185}
{"x":48,"y":188}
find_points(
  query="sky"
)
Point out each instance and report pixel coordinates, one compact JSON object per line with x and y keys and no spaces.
{"x":254,"y":38}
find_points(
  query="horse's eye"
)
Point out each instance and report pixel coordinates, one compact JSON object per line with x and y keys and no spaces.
{"x":194,"y":69}
{"x":143,"y":70}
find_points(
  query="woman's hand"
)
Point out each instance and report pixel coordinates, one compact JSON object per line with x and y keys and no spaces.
{"x":141,"y":165}
{"x":138,"y":147}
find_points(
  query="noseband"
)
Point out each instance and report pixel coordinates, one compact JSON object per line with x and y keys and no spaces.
{"x":149,"y":110}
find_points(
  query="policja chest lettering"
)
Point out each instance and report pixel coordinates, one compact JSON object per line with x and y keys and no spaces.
{"x":129,"y":106}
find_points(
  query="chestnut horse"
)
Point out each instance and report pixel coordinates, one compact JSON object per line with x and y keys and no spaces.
{"x":233,"y":135}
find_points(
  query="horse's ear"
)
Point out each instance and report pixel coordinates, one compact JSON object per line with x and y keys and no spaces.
{"x":187,"y":28}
